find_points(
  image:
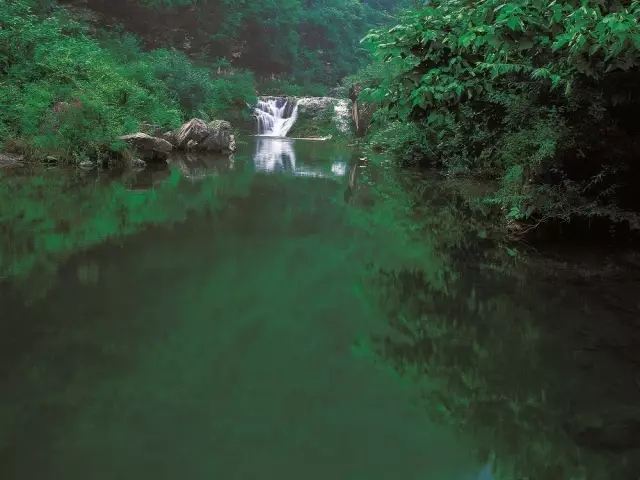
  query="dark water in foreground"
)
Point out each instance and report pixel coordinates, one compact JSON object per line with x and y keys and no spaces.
{"x":287,"y":313}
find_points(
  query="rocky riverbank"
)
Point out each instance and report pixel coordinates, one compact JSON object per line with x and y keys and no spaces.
{"x":154,"y":145}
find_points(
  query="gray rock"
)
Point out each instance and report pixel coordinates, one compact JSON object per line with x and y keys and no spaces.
{"x":138,"y":163}
{"x":196,"y":134}
{"x":11,"y":160}
{"x":315,"y":106}
{"x":150,"y":149}
{"x":220,"y":138}
{"x":195,"y":131}
{"x":87,"y":165}
{"x":170,"y":137}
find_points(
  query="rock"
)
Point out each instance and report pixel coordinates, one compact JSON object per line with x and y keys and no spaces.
{"x":87,"y":165}
{"x":138,"y":163}
{"x":11,"y":160}
{"x":196,"y":134}
{"x":315,"y":106}
{"x":220,"y":138}
{"x":151,"y":149}
{"x":195,"y":131}
{"x":126,"y":160}
{"x":613,"y":429}
{"x":232,"y":144}
{"x":170,"y":137}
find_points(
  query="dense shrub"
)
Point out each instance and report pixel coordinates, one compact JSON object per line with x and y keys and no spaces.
{"x":540,"y":93}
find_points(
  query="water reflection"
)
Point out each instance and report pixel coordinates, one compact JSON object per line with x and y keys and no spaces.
{"x":176,"y":352}
{"x":278,"y":155}
{"x":199,"y":166}
{"x":536,"y":357}
{"x":142,"y":333}
{"x":48,"y":215}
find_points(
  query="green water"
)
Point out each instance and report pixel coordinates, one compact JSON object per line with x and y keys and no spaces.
{"x":287,"y":313}
{"x":203,"y":340}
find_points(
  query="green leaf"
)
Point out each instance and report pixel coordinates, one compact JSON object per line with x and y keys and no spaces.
{"x":514,"y":23}
{"x":466,"y":39}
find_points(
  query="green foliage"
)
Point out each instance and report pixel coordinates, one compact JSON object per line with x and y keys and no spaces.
{"x":195,"y":88}
{"x":542,"y":86}
{"x":62,"y":92}
{"x":403,"y":140}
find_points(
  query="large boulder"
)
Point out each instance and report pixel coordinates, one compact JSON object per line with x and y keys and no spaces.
{"x":150,"y":149}
{"x":196,"y":134}
{"x":315,"y":106}
{"x":320,"y":117}
{"x":170,"y":137}
{"x":192,"y":132}
{"x":220,"y":138}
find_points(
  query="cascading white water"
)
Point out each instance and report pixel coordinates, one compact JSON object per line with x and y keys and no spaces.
{"x":275,"y":116}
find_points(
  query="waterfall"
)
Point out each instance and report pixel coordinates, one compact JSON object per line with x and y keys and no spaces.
{"x":275,"y":116}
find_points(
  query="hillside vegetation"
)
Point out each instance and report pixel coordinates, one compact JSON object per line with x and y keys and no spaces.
{"x":74,"y":77}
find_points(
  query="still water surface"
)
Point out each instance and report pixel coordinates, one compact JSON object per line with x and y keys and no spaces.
{"x":247,"y":317}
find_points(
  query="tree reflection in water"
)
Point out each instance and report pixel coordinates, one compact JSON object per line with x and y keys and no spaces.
{"x":499,"y":349}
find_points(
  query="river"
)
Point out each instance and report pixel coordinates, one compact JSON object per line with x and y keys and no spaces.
{"x":295,"y":312}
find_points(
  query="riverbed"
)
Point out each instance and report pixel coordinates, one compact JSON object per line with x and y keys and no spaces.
{"x":294,"y":311}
